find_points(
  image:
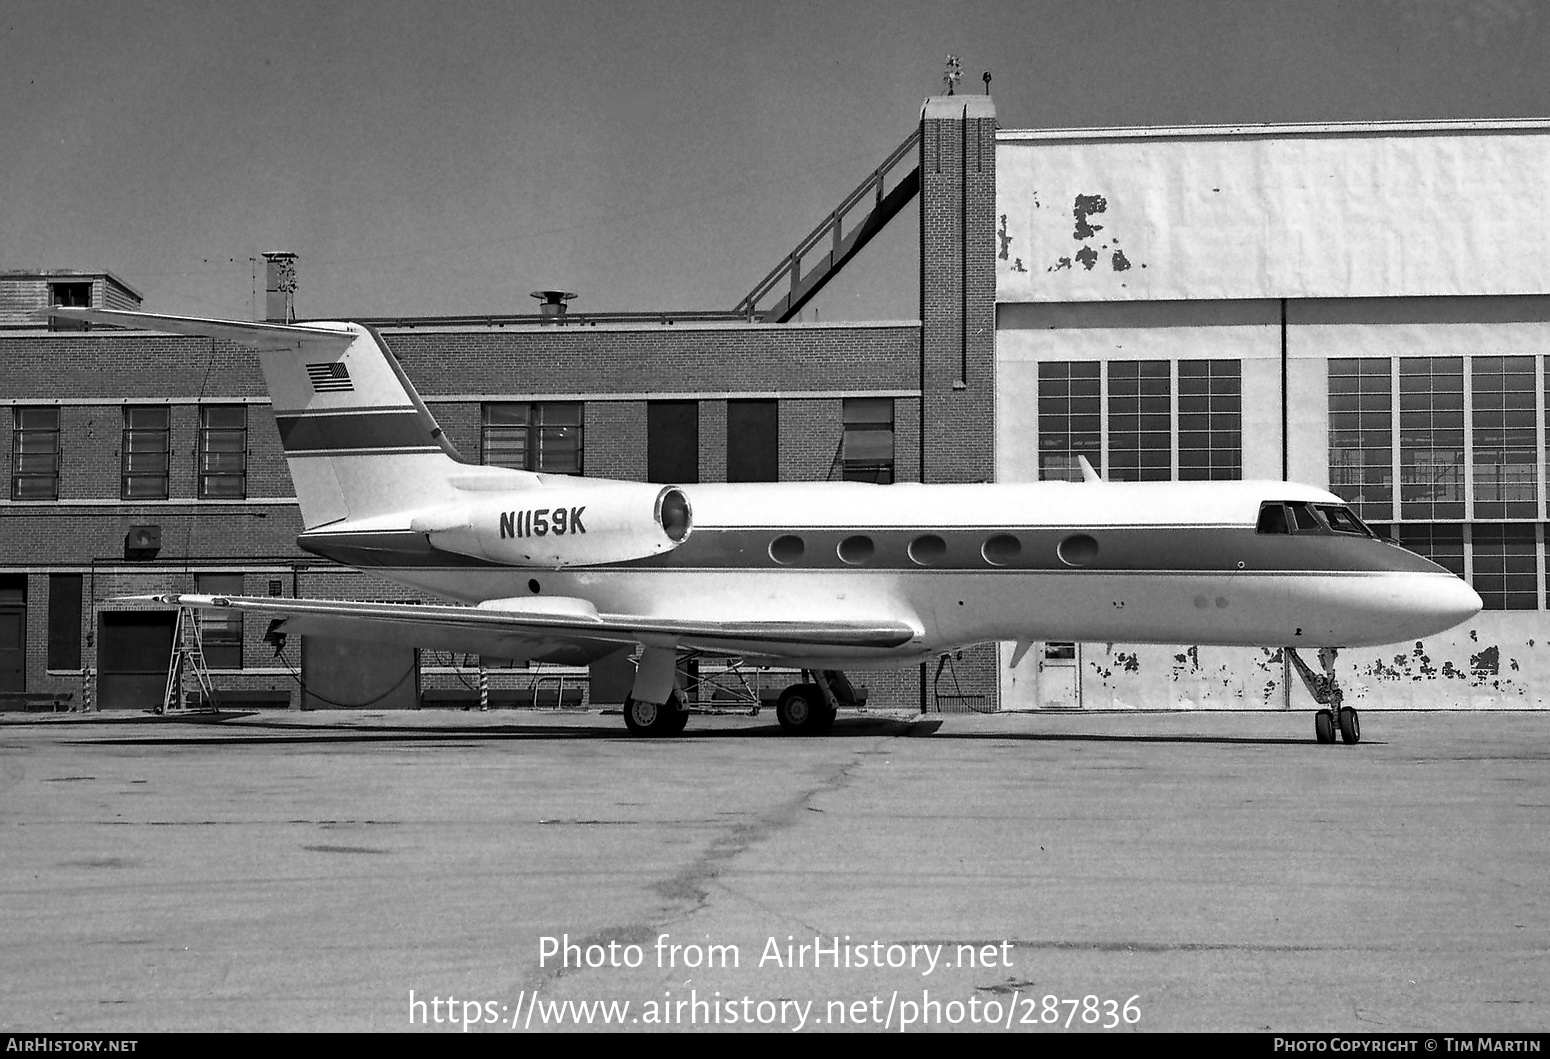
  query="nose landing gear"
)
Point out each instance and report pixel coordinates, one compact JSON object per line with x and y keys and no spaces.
{"x":1326,"y":692}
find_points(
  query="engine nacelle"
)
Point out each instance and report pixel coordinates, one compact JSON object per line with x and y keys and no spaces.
{"x":579,"y":525}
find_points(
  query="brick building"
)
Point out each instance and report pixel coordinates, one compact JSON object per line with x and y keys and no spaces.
{"x":143,"y":462}
{"x":1363,"y":307}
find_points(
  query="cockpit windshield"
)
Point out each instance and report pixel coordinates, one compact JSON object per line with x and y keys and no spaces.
{"x":1341,"y":520}
{"x":1301,"y":517}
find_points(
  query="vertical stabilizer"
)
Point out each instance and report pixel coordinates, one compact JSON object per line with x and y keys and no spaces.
{"x":359,"y":440}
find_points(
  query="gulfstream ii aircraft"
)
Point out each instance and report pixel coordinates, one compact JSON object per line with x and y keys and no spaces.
{"x":822,"y":577}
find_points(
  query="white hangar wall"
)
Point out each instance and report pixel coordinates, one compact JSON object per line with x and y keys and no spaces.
{"x":1283,"y":212}
{"x":1268,"y":253}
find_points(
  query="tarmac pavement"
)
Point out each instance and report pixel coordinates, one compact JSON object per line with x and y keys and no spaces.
{"x":1118,"y":872}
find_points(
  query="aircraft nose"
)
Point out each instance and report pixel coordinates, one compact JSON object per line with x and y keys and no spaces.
{"x":1460,"y":602}
{"x":1444,"y":602}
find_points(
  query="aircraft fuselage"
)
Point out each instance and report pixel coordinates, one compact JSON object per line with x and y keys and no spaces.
{"x":1174,"y":563}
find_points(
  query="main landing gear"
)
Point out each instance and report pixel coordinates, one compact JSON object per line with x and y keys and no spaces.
{"x":647,"y":718}
{"x":1326,"y":691}
{"x":810,"y":708}
{"x":807,"y":708}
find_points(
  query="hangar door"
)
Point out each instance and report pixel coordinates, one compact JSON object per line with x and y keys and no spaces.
{"x":133,"y":650}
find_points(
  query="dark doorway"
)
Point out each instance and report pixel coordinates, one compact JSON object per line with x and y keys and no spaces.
{"x":673,"y":442}
{"x":753,"y":441}
{"x":13,"y":632}
{"x":133,"y":651}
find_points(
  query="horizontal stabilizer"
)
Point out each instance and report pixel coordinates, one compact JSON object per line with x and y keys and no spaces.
{"x":258,"y":335}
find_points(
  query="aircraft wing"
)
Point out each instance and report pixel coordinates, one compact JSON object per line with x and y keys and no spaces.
{"x":259,"y":335}
{"x":548,"y":628}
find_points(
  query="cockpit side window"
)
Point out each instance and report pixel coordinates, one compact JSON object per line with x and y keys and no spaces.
{"x":1342,"y":521}
{"x":1303,"y":518}
{"x":1272,"y":518}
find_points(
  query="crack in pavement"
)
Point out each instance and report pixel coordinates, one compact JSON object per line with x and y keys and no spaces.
{"x":688,"y":889}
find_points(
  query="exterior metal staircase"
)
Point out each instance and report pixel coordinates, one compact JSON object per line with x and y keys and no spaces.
{"x":840,"y":237}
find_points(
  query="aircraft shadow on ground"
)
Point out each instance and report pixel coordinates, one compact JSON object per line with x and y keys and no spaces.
{"x":301,"y":735}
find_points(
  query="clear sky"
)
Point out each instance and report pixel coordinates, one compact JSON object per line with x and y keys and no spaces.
{"x":440,"y":157}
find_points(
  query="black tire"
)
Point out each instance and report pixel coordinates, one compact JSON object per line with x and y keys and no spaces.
{"x":678,"y":718}
{"x":801,"y":709}
{"x":1350,"y":725}
{"x":649,"y":719}
{"x":826,"y":720}
{"x":1324,"y":726}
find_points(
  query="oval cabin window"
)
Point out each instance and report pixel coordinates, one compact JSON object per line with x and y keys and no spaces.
{"x":856,"y":550}
{"x":1002,"y":549}
{"x":787,"y":549}
{"x":927,"y":550}
{"x":1077,"y":550}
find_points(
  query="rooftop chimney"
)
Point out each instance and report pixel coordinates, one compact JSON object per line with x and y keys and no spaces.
{"x":280,"y":288}
{"x":552,"y":305}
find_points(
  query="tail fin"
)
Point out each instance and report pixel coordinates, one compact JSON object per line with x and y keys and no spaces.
{"x":359,"y":440}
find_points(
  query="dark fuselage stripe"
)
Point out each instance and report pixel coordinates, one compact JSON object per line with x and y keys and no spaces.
{"x":355,"y":431}
{"x":1196,"y":550}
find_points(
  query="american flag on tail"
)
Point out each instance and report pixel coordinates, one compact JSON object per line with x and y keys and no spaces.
{"x":330,"y":378}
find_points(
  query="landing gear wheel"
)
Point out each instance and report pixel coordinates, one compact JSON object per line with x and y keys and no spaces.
{"x":1324,"y":726}
{"x":679,"y":717}
{"x":1350,"y":726}
{"x":801,"y":710}
{"x":826,"y":720}
{"x":649,"y":719}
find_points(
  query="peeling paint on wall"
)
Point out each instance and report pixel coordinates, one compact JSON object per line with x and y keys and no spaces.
{"x":1487,"y":663}
{"x":1495,"y":668}
{"x":1086,"y":207}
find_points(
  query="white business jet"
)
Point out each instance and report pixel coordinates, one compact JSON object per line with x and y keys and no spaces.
{"x":822,"y":576}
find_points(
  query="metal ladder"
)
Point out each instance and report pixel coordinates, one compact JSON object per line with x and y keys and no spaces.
{"x":188,"y":658}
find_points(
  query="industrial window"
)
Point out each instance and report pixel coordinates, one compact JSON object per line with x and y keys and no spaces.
{"x":144,"y":454}
{"x":1431,"y":437}
{"x":73,"y":295}
{"x":753,"y":441}
{"x":64,"y":621}
{"x":1361,"y":440}
{"x":1210,"y":420}
{"x":220,"y":630}
{"x":1506,"y":568}
{"x":534,"y":437}
{"x":673,"y":442}
{"x":223,"y":451}
{"x":1140,"y":423}
{"x":35,"y":454}
{"x":867,"y":446}
{"x":1443,"y":545}
{"x":1070,"y":418}
{"x":1505,"y":453}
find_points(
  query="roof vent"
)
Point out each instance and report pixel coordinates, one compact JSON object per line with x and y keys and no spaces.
{"x":552,"y":304}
